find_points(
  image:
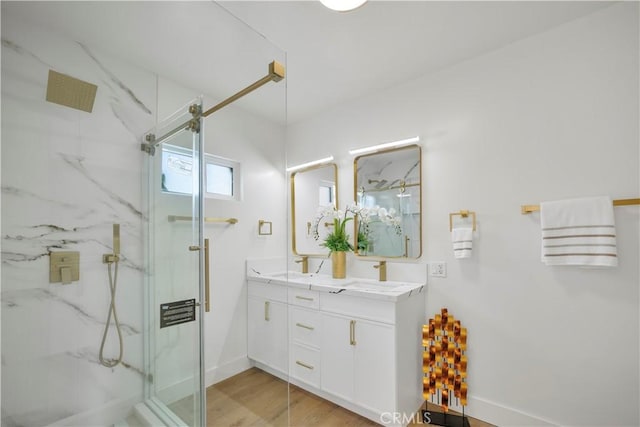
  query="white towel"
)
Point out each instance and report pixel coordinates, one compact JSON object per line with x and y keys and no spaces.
{"x":462,"y":239}
{"x":579,"y":232}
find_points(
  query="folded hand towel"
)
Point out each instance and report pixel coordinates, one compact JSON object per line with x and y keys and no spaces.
{"x":579,"y":232}
{"x":462,"y":239}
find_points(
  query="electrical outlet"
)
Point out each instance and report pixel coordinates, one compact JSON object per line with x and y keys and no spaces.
{"x":438,"y":269}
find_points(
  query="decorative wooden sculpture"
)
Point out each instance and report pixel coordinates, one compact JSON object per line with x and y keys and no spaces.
{"x":444,"y":364}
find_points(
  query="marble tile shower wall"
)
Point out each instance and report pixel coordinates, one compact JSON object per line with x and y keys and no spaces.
{"x":67,"y":176}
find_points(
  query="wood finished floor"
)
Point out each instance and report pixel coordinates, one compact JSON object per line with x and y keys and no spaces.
{"x":256,"y":398}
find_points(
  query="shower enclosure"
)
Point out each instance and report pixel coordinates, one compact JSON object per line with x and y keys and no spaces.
{"x":174,"y":258}
{"x":177,"y":286}
{"x":69,"y":175}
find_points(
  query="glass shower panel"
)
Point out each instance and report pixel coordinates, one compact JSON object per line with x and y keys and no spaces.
{"x":242,"y":391}
{"x":173,"y":286}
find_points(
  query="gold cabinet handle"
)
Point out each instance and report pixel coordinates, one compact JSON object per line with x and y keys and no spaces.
{"x":207,"y":306}
{"x":300,"y":325}
{"x":266,"y":311}
{"x":304,"y":298}
{"x":352,"y":332}
{"x":304,"y":365}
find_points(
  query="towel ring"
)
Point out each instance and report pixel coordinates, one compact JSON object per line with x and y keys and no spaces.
{"x":463,"y":214}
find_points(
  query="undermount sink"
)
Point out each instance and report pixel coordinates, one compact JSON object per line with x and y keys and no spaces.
{"x":288,"y":275}
{"x":329,"y":281}
{"x":309,"y":278}
{"x":375,"y":286}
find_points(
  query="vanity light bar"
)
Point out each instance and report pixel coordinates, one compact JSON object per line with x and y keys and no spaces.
{"x":385,"y":145}
{"x":313,"y":163}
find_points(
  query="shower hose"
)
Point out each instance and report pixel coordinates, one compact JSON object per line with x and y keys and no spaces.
{"x":113,"y":282}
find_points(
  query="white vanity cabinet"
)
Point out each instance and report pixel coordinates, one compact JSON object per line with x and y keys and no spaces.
{"x":371,"y":353}
{"x":267,"y":326}
{"x":357,"y":361}
{"x":359,"y":349}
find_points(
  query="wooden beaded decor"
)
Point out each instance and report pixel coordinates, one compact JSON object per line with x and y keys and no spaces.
{"x":444,"y":364}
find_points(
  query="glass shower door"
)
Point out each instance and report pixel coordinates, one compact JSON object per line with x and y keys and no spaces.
{"x":174,"y":273}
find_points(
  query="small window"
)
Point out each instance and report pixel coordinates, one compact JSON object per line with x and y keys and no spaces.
{"x":222,"y":176}
{"x":326,"y":193}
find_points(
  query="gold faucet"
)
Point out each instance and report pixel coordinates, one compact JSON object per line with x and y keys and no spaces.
{"x":305,"y":264}
{"x":382,"y":266}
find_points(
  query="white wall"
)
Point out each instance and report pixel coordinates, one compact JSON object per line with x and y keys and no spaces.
{"x":550,"y":117}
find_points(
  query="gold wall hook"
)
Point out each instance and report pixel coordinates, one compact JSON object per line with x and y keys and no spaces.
{"x":265,"y":228}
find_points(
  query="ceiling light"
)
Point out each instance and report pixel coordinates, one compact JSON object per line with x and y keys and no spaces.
{"x":385,"y":145}
{"x":343,"y":5}
{"x":309,"y":164}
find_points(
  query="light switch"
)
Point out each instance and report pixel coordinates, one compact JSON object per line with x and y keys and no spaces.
{"x":64,"y":267}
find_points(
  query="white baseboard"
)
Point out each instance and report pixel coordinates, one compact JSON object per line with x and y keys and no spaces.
{"x":105,"y":415}
{"x":229,"y":369}
{"x":501,"y":415}
{"x":276,"y":373}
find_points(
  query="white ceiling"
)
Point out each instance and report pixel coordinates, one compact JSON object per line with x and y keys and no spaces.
{"x":331,"y":57}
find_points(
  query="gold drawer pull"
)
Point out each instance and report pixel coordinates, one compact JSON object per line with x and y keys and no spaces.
{"x":304,"y":298}
{"x":352,"y":332}
{"x":300,"y":325}
{"x":207,"y":293}
{"x":304,"y":365}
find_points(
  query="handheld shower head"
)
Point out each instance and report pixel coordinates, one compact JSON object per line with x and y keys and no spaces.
{"x":116,"y":239}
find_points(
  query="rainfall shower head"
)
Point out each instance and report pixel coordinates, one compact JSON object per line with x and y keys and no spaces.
{"x":70,"y":92}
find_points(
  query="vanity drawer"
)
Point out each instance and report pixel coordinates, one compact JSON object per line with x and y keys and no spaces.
{"x":305,"y":365}
{"x":270,"y":291}
{"x":372,"y":309}
{"x":304,"y":298}
{"x":305,"y":326}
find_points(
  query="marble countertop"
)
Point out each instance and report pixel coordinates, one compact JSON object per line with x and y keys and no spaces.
{"x":366,"y":288}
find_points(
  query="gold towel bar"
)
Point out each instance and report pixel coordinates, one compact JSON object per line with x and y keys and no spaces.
{"x":463,"y":214}
{"x":527,"y":209}
{"x":173,"y":218}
